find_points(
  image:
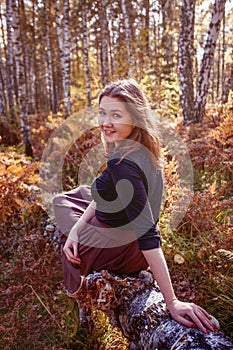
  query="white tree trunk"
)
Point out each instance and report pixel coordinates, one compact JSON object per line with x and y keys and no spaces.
{"x":21,"y":80}
{"x":104,"y":43}
{"x":3,"y":113}
{"x":112,"y":38}
{"x":10,"y":62}
{"x":136,"y":306}
{"x":85,"y":53}
{"x":223,"y":53}
{"x":64,"y":48}
{"x":186,"y":54}
{"x":128,"y":37}
{"x":207,"y":60}
{"x":53,"y":104}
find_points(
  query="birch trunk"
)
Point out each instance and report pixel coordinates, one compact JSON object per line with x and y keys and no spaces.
{"x":136,"y":306}
{"x":26,"y":59}
{"x":186,"y":54}
{"x":104,"y":43}
{"x":3,"y":113}
{"x":10,"y":62}
{"x":66,"y":9}
{"x":147,"y":25}
{"x":223,"y":53}
{"x":207,"y":61}
{"x":85,"y":53}
{"x":128,"y":37}
{"x":53,"y":103}
{"x":64,"y":48}
{"x":21,"y":80}
{"x":34,"y":59}
{"x":228,"y":86}
{"x":167,"y":7}
{"x":112,"y":35}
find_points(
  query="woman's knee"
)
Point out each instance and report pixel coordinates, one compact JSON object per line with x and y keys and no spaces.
{"x":58,"y":199}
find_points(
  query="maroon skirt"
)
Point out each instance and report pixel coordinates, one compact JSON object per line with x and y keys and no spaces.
{"x":100,"y":247}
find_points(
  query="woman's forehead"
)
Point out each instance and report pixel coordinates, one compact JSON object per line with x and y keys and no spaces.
{"x":112,"y":103}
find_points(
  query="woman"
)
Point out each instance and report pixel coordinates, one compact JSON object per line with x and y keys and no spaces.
{"x":113,"y":224}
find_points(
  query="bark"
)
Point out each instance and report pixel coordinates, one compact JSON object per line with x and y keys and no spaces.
{"x":136,"y":306}
{"x":85,"y":53}
{"x":34,"y":58}
{"x":3,"y":113}
{"x":167,"y":7}
{"x":64,"y":48}
{"x":223,"y":54}
{"x":186,"y":53}
{"x":66,"y":10}
{"x":207,"y":61}
{"x":229,"y":86}
{"x":3,"y":38}
{"x":53,"y":103}
{"x":147,"y":26}
{"x":104,"y":43}
{"x":21,"y":80}
{"x":218,"y":70}
{"x":10,"y":62}
{"x":128,"y":37}
{"x":112,"y":38}
{"x":27,"y":58}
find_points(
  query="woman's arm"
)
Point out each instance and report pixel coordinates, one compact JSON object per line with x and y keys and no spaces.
{"x":196,"y":316}
{"x":71,"y":246}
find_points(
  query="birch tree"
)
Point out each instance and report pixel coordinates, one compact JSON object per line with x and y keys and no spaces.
{"x":85,"y":53}
{"x":2,"y":96}
{"x":186,"y":54}
{"x":223,"y":53}
{"x":207,"y":60}
{"x":10,"y":62}
{"x":193,"y":110}
{"x":112,"y":37}
{"x":63,"y":34}
{"x":21,"y":80}
{"x":104,"y":43}
{"x":128,"y":37}
{"x":167,"y":7}
{"x":147,"y":26}
{"x":53,"y":102}
{"x":228,"y":85}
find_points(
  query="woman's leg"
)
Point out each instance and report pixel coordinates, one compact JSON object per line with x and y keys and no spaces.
{"x":68,"y":207}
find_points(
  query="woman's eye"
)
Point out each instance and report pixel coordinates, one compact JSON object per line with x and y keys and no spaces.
{"x":101,"y":113}
{"x":116,"y":115}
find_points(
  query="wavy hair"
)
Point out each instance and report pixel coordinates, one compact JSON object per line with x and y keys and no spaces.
{"x":129,"y":92}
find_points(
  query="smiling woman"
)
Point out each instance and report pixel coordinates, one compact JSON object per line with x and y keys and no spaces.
{"x":114,"y":119}
{"x":114,"y":224}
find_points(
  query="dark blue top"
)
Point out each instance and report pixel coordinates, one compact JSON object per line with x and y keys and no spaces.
{"x":128,"y":195}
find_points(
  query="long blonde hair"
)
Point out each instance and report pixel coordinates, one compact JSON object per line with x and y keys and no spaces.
{"x":129,"y":92}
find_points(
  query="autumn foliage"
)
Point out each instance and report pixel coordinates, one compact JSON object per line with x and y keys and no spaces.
{"x":34,"y":307}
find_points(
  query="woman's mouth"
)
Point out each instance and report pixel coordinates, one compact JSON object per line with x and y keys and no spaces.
{"x":109,"y":132}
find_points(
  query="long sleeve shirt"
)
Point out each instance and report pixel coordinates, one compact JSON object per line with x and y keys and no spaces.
{"x":128,"y":195}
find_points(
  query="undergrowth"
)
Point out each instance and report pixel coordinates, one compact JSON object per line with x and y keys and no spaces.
{"x":35,"y":311}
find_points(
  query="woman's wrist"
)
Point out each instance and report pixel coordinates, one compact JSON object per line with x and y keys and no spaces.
{"x":171,"y":302}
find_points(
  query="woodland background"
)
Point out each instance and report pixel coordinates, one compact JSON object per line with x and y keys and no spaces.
{"x":55,"y":56}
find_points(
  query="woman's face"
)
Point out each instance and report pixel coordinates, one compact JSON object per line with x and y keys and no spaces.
{"x":114,"y":119}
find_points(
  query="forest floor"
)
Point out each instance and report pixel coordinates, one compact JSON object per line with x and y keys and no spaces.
{"x":35,"y":311}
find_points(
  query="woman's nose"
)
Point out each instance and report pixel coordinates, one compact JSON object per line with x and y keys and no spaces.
{"x":107,"y":120}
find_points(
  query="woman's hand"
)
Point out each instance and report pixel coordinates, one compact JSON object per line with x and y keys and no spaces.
{"x":71,"y":251}
{"x":191,"y":315}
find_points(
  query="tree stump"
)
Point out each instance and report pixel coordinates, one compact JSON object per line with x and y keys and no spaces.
{"x":136,"y":306}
